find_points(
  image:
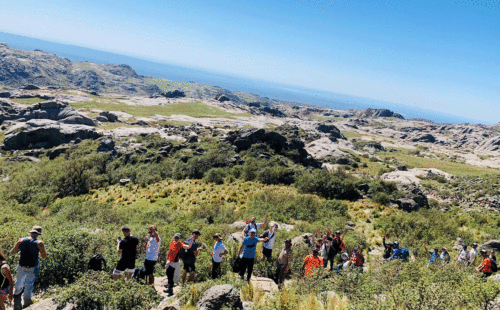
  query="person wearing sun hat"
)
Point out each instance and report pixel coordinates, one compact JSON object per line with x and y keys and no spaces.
{"x":218,"y":255}
{"x":28,"y":268}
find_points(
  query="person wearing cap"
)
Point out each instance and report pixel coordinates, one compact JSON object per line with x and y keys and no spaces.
{"x":387,"y":249}
{"x":152,"y":248}
{"x":173,"y":264}
{"x":463,"y":256}
{"x":267,"y":249}
{"x":473,"y":254}
{"x":252,"y":224}
{"x":444,"y":256}
{"x":28,"y":268}
{"x":345,"y":262}
{"x":218,"y":255}
{"x":191,"y":249}
{"x":485,"y":266}
{"x":434,"y":256}
{"x":311,"y":262}
{"x":357,"y":259}
{"x":247,"y":253}
{"x":127,"y":248}
{"x":284,"y":263}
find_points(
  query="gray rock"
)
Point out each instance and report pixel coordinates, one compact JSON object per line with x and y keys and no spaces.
{"x":110,"y":116}
{"x":492,"y":144}
{"x":56,"y":152}
{"x":407,"y":204}
{"x":423,"y":137}
{"x":238,"y":225}
{"x":51,"y":133}
{"x":368,"y":113}
{"x":343,"y":161}
{"x":106,"y":145}
{"x":100,"y":118}
{"x":302,"y":239}
{"x":219,"y":296}
{"x":491,"y":245}
{"x":49,"y":304}
{"x":124,"y":181}
{"x":332,"y":130}
{"x":4,"y":94}
{"x":235,"y":237}
{"x":169,"y":304}
{"x":247,"y":305}
{"x":266,"y":285}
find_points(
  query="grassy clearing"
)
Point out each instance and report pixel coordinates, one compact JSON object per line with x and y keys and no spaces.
{"x":28,"y":100}
{"x":194,"y":109}
{"x":351,"y":134}
{"x":457,"y":169}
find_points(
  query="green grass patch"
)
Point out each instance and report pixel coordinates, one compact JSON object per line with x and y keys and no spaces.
{"x":351,"y":134}
{"x":28,"y":100}
{"x":194,"y":109}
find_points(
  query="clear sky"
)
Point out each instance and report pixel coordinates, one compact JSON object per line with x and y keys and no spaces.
{"x":438,"y":55}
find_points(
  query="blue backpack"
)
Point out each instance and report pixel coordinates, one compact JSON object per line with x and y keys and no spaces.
{"x":405,"y":254}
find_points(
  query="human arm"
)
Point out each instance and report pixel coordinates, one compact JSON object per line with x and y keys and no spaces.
{"x":188,"y":246}
{"x":41,"y":247}
{"x":16,"y":247}
{"x":383,"y":242}
{"x":8,"y":275}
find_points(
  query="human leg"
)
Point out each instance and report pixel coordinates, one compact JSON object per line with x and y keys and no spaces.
{"x":215,"y":269}
{"x":177,"y":272}
{"x":21,"y":277}
{"x":243,"y":267}
{"x":31,"y":275}
{"x":250,"y":268}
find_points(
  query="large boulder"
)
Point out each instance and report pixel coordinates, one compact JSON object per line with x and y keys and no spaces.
{"x":220,"y":296}
{"x":330,"y":129}
{"x":235,"y":237}
{"x":492,"y":144}
{"x":367,"y":113}
{"x":238,"y":225}
{"x":110,"y":116}
{"x":49,"y":304}
{"x":57,"y":111}
{"x":491,"y":245}
{"x":45,"y":133}
{"x":106,"y":145}
{"x":423,"y":137}
{"x":304,"y":239}
{"x":266,"y":285}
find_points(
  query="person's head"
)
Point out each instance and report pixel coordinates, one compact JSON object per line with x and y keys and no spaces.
{"x":436,"y":250}
{"x":253,"y":220}
{"x":3,"y":257}
{"x":415,"y":253}
{"x":315,"y":252}
{"x":152,"y":230}
{"x":253,"y":233}
{"x":217,"y":237}
{"x":275,"y":226}
{"x":396,"y":244}
{"x":288,"y":243}
{"x":177,"y":237}
{"x":483,"y":252}
{"x":355,"y":250}
{"x":36,"y":231}
{"x":444,"y":250}
{"x":345,"y":256}
{"x":196,"y":233}
{"x":474,"y":245}
{"x":337,"y":233}
{"x":464,"y":247}
{"x":126,"y":231}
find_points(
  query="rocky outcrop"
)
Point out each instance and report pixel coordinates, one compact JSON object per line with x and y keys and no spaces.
{"x":45,"y":133}
{"x":423,"y":137}
{"x":492,"y":145}
{"x":333,"y":132}
{"x":414,"y":201}
{"x":369,"y":113}
{"x":491,"y":245}
{"x":265,"y":285}
{"x":220,"y":296}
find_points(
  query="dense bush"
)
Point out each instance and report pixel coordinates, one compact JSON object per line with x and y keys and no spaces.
{"x":321,"y":182}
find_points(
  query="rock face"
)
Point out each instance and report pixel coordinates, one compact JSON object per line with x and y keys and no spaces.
{"x":45,"y":133}
{"x":428,"y":138}
{"x":491,"y":245}
{"x":413,"y":201}
{"x":219,"y":296}
{"x":368,"y":113}
{"x":333,"y":132}
{"x":492,"y":144}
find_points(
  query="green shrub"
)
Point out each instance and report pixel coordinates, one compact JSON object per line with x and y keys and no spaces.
{"x":215,"y":175}
{"x":338,"y":185}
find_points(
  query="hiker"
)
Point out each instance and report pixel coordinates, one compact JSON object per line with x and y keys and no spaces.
{"x":28,"y":268}
{"x":284,"y":262}
{"x":388,"y":247}
{"x":357,"y":259}
{"x":311,"y":262}
{"x":191,"y":249}
{"x":485,"y":266}
{"x":173,"y":264}
{"x":337,"y":247}
{"x":252,"y":224}
{"x":218,"y":255}
{"x":247,"y":253}
{"x":153,"y":243}
{"x":127,"y":248}
{"x":399,"y":253}
{"x":414,"y":257}
{"x":6,"y":282}
{"x":345,"y":262}
{"x":473,"y":254}
{"x":463,"y":256}
{"x":445,"y":256}
{"x":492,"y":255}
{"x":267,"y":249}
{"x":325,"y":248}
{"x":434,"y":256}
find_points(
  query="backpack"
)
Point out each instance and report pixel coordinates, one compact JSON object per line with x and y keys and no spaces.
{"x":405,"y":254}
{"x":494,"y":267}
{"x":236,"y":266}
{"x":265,"y":234}
{"x":139,"y":273}
{"x":96,"y":263}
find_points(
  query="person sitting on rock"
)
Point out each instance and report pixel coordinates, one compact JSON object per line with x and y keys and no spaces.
{"x":311,"y":262}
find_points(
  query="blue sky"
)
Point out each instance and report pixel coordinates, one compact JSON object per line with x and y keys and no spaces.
{"x":438,"y":55}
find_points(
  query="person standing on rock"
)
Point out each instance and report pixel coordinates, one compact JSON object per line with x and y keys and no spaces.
{"x":127,"y":248}
{"x":284,"y":263}
{"x":218,"y":255}
{"x":311,"y":262}
{"x":473,"y":254}
{"x":6,"y":282}
{"x":191,"y":249}
{"x":267,"y":249}
{"x":173,"y":264}
{"x":28,"y":268}
{"x":247,"y":252}
{"x":152,"y":248}
{"x":252,"y":224}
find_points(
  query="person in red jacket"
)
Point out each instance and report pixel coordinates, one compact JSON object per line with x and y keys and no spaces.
{"x":311,"y":262}
{"x":485,"y":266}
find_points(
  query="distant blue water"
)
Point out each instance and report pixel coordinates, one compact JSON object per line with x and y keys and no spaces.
{"x":233,"y":83}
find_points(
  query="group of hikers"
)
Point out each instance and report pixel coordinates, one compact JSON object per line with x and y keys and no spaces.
{"x":323,"y":252}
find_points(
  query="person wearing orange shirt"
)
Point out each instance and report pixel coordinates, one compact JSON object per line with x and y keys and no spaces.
{"x":173,"y":264}
{"x":485,"y":266}
{"x":311,"y":262}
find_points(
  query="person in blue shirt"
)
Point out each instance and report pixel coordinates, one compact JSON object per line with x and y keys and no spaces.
{"x":397,"y":253}
{"x":434,"y":256}
{"x":247,"y":253}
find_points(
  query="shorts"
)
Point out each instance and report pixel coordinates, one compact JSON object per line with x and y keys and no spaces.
{"x":124,"y":266}
{"x":4,"y":292}
{"x":149,"y":265}
{"x":267,"y":252}
{"x":189,"y":267}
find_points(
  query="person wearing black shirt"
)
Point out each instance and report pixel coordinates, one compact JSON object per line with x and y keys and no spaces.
{"x":127,"y":247}
{"x":387,"y":249}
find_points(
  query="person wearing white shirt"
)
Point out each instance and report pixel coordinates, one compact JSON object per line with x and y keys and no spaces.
{"x":153,"y":243}
{"x":218,"y":255}
{"x":473,"y":254}
{"x":267,"y":250}
{"x":463,"y":256}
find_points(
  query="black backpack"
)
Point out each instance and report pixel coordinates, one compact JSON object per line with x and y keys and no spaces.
{"x":96,"y":263}
{"x":139,"y":273}
{"x":236,"y":266}
{"x":494,"y":267}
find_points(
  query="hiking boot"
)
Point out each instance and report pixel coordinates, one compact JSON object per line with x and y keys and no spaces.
{"x":28,"y":303}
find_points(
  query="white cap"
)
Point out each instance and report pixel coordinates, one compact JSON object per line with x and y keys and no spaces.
{"x":253,"y":230}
